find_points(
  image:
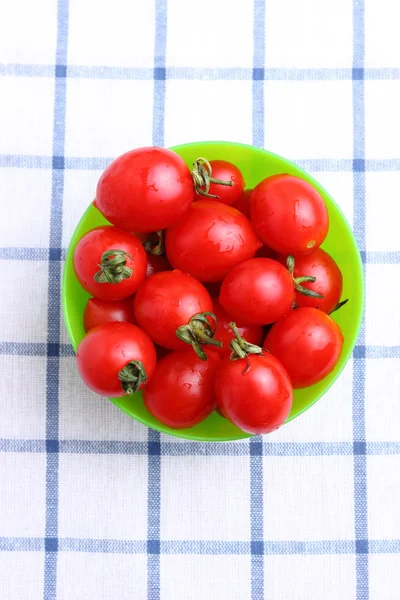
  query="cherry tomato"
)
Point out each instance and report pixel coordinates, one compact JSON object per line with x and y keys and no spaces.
{"x":226,"y":171}
{"x":308,"y":343}
{"x":252,"y":333}
{"x":288,"y":214}
{"x":116,"y":359}
{"x":145,"y":189}
{"x":156,"y":264}
{"x":328,"y":279}
{"x":181,"y":393}
{"x":110,"y":263}
{"x":258,"y":291}
{"x":254,"y":393}
{"x":166,"y":302}
{"x":243,"y":203}
{"x":209,"y":240}
{"x":97,"y":312}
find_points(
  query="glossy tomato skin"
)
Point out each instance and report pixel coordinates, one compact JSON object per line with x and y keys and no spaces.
{"x":107,"y":349}
{"x":145,"y":189}
{"x":181,"y":393}
{"x":251,"y":333}
{"x":288,"y":214}
{"x":97,"y":312}
{"x":87,"y":258}
{"x":328,"y":279}
{"x":156,"y":264}
{"x":166,"y":301}
{"x":258,"y":291}
{"x":242,"y":204}
{"x":209,"y":240}
{"x":255,"y":393}
{"x":226,"y":171}
{"x":308,"y":343}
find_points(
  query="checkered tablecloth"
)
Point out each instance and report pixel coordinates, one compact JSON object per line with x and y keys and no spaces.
{"x":93,"y":506}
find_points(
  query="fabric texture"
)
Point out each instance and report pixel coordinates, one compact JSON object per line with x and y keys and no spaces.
{"x":94,"y":506}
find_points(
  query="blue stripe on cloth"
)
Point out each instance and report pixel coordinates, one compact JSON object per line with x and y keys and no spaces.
{"x":360,"y":458}
{"x":51,"y":349}
{"x":154,"y":445}
{"x":25,"y":161}
{"x":256,"y":518}
{"x":52,"y":378}
{"x":153,"y":515}
{"x":201,"y":449}
{"x":159,"y":72}
{"x":66,"y":350}
{"x":44,"y":254}
{"x":103,"y":546}
{"x":98,"y":163}
{"x":39,"y":254}
{"x":258,"y":72}
{"x":198,"y":73}
{"x":23,"y":544}
{"x":203,"y":547}
{"x":255,"y":444}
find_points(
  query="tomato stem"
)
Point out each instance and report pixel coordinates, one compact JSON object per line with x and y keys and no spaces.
{"x":113,"y":267}
{"x":199,"y":331}
{"x":240,"y":347}
{"x":299,"y":280}
{"x":154,"y":244}
{"x":339,"y":305}
{"x":202,"y":178}
{"x":132,"y":377}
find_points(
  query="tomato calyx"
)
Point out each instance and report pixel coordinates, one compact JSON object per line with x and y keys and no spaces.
{"x":303,"y":279}
{"x":113,"y":267}
{"x":132,"y":376}
{"x":154,"y":243}
{"x":202,"y":178}
{"x":339,"y":305}
{"x":199,"y":332}
{"x":241,"y":348}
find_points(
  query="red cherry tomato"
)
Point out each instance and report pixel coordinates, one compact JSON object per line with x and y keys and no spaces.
{"x":110,"y":263}
{"x":288,"y":214}
{"x":156,"y":264}
{"x":254,"y":393}
{"x":181,"y":393}
{"x":167,"y":301}
{"x":145,"y":189}
{"x":328,"y":279}
{"x":258,"y":291}
{"x":308,"y":343}
{"x":252,"y":333}
{"x":116,"y":359}
{"x":97,"y":312}
{"x":226,"y":171}
{"x":243,"y":203}
{"x":209,"y":240}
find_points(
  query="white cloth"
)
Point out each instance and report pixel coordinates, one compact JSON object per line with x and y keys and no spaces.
{"x":93,"y":506}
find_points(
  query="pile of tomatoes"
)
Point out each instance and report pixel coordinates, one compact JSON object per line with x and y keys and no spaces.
{"x":207,"y":296}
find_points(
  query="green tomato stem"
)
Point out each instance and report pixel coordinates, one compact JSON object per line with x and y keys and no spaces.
{"x":202,"y":178}
{"x":132,"y":377}
{"x":154,"y":244}
{"x":113,"y":267}
{"x":199,"y":332}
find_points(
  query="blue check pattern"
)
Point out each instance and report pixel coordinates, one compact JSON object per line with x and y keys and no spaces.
{"x":258,"y":550}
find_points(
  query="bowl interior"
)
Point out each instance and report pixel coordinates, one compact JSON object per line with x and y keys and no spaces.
{"x":255,"y":164}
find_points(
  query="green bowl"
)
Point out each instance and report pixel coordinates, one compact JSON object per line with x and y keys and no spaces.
{"x":255,"y":164}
